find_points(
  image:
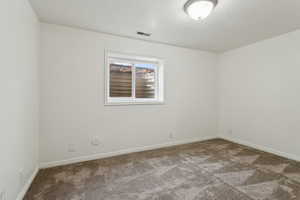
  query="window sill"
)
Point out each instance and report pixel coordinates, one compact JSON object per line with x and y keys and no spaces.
{"x":133,"y":103}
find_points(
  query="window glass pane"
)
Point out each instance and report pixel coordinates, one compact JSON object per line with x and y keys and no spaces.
{"x":145,"y":81}
{"x":120,"y":80}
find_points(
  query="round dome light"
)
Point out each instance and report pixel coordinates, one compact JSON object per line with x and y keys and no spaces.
{"x":199,"y":9}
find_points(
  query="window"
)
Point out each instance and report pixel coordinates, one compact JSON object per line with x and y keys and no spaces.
{"x":133,"y":79}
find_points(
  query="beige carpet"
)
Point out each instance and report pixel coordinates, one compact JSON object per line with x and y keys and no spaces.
{"x":211,"y":170}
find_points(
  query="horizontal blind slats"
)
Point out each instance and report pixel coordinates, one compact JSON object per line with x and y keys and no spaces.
{"x":145,"y":83}
{"x":120,"y":81}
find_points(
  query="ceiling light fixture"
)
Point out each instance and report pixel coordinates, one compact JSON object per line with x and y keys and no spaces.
{"x":199,"y":9}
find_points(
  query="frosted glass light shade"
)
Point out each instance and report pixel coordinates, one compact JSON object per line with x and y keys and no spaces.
{"x":199,"y":9}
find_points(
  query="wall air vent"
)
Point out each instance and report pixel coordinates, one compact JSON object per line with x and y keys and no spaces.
{"x":143,"y":34}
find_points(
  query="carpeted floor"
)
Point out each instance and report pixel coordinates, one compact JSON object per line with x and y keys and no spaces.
{"x":210,"y":170}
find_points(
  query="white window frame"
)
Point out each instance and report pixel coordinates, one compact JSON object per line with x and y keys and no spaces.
{"x":134,"y":59}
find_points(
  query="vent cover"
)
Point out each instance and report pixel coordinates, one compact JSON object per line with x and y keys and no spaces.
{"x":143,"y":34}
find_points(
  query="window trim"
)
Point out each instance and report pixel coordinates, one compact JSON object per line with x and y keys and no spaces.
{"x":159,"y":82}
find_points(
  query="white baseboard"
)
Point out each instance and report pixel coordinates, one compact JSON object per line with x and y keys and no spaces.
{"x":121,"y":152}
{"x":27,"y":184}
{"x":262,"y":148}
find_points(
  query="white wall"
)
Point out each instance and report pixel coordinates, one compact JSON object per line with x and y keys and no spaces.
{"x":19,"y":94}
{"x":258,"y":92}
{"x":259,"y":88}
{"x":72,"y":96}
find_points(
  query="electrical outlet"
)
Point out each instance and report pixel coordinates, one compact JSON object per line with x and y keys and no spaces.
{"x":96,"y":141}
{"x":71,"y":148}
{"x":3,"y":195}
{"x":21,"y":176}
{"x":229,"y":132}
{"x":171,"y":135}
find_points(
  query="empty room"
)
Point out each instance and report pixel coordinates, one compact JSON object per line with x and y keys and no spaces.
{"x":150,"y":100}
